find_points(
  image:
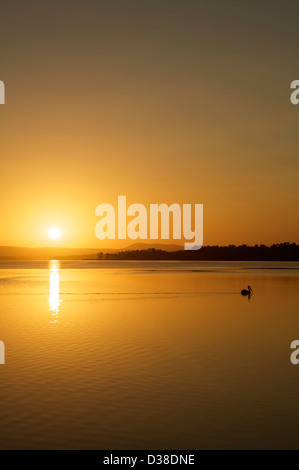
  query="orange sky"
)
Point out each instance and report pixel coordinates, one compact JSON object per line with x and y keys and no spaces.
{"x":161,"y":101}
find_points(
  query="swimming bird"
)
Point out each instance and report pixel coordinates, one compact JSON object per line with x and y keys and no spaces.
{"x":246,"y":292}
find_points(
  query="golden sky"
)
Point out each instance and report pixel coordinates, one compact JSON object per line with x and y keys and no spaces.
{"x":159,"y":100}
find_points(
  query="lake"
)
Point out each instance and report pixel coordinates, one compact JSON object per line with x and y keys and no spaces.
{"x":148,"y":355}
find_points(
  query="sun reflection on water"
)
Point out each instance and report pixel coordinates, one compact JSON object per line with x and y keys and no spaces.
{"x":54,"y":300}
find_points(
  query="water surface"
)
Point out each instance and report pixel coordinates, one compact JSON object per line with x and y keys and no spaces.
{"x":155,"y":354}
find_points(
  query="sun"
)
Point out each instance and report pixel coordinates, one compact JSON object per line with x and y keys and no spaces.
{"x":54,"y":233}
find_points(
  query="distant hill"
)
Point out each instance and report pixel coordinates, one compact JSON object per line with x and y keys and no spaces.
{"x":279,"y":252}
{"x":157,"y":246}
{"x":45,"y":253}
{"x":23,"y":253}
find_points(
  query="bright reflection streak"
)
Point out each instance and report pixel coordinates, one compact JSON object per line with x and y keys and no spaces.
{"x":54,"y":300}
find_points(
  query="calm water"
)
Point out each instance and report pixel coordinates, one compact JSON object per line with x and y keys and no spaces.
{"x":148,"y":355}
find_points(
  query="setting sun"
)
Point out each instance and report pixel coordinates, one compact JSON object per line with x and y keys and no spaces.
{"x":54,"y":233}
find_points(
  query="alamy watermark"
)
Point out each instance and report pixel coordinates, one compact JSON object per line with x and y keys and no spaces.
{"x":295,"y":354}
{"x":136,"y":222}
{"x":2,"y":353}
{"x":2,"y":92}
{"x":2,"y":101}
{"x":295,"y":94}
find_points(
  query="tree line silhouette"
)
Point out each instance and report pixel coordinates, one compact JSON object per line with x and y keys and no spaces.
{"x":278,"y":252}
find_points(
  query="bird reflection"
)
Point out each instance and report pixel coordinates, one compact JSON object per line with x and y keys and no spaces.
{"x":54,"y":300}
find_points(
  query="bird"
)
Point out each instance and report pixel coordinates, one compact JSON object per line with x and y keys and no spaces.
{"x":248,"y":291}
